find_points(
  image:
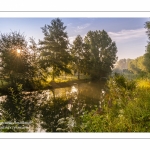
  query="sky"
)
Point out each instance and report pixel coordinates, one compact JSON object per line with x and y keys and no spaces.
{"x":128,"y":33}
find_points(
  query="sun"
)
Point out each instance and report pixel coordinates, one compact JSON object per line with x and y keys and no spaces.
{"x":18,"y":51}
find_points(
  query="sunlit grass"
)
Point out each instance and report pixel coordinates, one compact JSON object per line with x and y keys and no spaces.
{"x":66,"y":78}
{"x":48,"y":79}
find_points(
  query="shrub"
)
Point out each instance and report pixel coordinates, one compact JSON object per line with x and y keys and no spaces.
{"x":126,"y":108}
{"x":18,"y":107}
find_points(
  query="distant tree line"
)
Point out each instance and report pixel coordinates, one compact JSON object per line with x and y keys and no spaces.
{"x":131,"y":66}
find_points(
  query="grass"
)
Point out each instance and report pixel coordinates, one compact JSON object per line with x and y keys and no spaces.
{"x":65,"y":79}
{"x":61,"y":81}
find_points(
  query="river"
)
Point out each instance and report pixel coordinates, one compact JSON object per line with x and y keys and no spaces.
{"x":69,"y":102}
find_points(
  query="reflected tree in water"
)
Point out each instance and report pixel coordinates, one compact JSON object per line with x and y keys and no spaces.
{"x":51,"y":111}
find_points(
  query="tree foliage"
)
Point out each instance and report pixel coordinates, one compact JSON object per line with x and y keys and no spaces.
{"x":54,"y":48}
{"x":77,"y":52}
{"x":34,"y":58}
{"x":101,"y":53}
{"x":14,"y":55}
{"x":137,"y":65}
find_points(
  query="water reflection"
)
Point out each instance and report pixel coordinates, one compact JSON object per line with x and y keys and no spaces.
{"x":74,"y":89}
{"x":58,"y":110}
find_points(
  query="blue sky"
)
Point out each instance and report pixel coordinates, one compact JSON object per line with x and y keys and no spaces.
{"x":128,"y":33}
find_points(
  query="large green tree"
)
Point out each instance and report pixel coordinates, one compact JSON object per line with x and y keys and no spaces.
{"x":77,"y":52}
{"x":54,"y":48}
{"x":15,"y":67}
{"x":100,"y":54}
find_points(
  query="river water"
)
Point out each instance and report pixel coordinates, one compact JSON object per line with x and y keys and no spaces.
{"x":65,"y":104}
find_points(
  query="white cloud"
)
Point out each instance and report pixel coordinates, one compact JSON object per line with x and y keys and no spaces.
{"x":79,"y":28}
{"x":83,"y":26}
{"x":125,"y":35}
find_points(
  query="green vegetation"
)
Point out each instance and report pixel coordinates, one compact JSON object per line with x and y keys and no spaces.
{"x":100,"y":54}
{"x":35,"y":65}
{"x":14,"y":67}
{"x":122,"y":104}
{"x":51,"y":112}
{"x":126,"y":108}
{"x":143,"y":83}
{"x":18,"y":107}
{"x":54,"y":49}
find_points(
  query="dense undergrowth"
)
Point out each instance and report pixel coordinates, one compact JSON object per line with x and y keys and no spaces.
{"x":126,"y":108}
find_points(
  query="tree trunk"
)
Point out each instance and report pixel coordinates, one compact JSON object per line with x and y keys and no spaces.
{"x":53,"y":74}
{"x":78,"y":74}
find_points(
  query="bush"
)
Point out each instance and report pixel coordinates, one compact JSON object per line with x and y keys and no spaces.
{"x":126,"y":108}
{"x":18,"y":107}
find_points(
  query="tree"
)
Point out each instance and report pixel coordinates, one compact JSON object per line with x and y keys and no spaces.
{"x":14,"y":58}
{"x":147,"y":54}
{"x":77,"y":54}
{"x":100,"y":53}
{"x":147,"y":58}
{"x":137,"y":66}
{"x":54,"y":48}
{"x":34,"y":57}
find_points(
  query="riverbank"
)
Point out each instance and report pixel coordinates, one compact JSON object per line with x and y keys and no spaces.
{"x":55,"y":85}
{"x":52,"y":85}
